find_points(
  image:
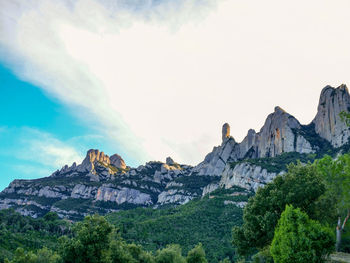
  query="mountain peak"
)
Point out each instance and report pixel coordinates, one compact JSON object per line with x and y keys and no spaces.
{"x":169,"y":161}
{"x":94,"y":155}
{"x":327,"y":121}
{"x":278,"y":109}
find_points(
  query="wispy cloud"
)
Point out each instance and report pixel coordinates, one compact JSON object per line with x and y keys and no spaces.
{"x":155,"y":76}
{"x":42,"y":148}
{"x":28,"y":153}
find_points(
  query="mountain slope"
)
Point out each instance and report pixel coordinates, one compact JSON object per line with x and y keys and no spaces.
{"x":208,"y":220}
{"x":103,"y":184}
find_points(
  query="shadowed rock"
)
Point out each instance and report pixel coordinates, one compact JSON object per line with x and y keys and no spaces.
{"x":327,"y":121}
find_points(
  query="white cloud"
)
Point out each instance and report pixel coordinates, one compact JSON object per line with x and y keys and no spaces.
{"x":43,"y":148}
{"x":161,"y":79}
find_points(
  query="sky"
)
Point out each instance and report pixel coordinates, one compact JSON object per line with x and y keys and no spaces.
{"x":149,"y":79}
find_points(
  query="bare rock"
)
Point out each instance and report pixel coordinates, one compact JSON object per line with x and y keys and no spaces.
{"x":327,"y":121}
{"x":123,"y":195}
{"x":117,"y":161}
{"x":225,"y":131}
{"x":245,"y":175}
{"x":169,"y":161}
{"x":173,"y":196}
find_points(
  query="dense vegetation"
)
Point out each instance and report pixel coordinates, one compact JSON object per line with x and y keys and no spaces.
{"x":319,"y":191}
{"x":208,"y":220}
{"x":299,"y":239}
{"x":292,"y":219}
{"x":94,"y":240}
{"x":29,"y":233}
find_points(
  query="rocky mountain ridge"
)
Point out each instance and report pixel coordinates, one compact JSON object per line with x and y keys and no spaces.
{"x":103,"y":184}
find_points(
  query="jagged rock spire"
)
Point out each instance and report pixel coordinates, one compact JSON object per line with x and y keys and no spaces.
{"x":225,"y":131}
{"x":327,"y":121}
{"x":169,"y":161}
{"x":94,"y":155}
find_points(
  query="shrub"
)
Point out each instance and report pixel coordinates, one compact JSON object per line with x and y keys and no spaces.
{"x":299,"y":239}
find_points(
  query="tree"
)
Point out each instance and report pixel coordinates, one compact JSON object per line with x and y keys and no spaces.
{"x":43,"y":255}
{"x":299,"y":239}
{"x":196,"y":255}
{"x":118,"y":253}
{"x":22,"y":257}
{"x":121,"y":252}
{"x":90,"y":243}
{"x":301,"y":186}
{"x":170,"y":254}
{"x":336,"y":174}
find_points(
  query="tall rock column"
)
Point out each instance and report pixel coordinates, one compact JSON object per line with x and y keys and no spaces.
{"x":327,"y":121}
{"x":225,"y":131}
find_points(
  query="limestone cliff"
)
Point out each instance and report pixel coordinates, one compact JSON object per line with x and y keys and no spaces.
{"x":101,"y":184}
{"x":277,"y":136}
{"x":327,"y":121}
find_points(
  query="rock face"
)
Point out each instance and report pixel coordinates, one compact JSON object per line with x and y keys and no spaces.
{"x":281,"y":133}
{"x":101,"y":184}
{"x":95,"y":157}
{"x":122,"y":195}
{"x":274,"y":138}
{"x":215,"y":162}
{"x":246,"y":176}
{"x":327,"y":121}
{"x":277,"y":136}
{"x":225,"y":131}
{"x":117,"y":161}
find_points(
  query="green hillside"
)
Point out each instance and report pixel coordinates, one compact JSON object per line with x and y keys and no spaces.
{"x":208,"y":220}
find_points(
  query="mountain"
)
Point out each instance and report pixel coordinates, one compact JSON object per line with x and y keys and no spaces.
{"x":105,"y":184}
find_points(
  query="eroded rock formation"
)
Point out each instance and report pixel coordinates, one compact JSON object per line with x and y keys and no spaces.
{"x":103,"y":184}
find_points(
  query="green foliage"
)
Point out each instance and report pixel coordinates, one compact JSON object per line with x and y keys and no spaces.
{"x":345,"y":117}
{"x":29,"y":233}
{"x":336,"y":174}
{"x":301,"y":186}
{"x":170,"y":254}
{"x":196,"y":255}
{"x":22,"y":257}
{"x":43,"y":255}
{"x":263,"y":256}
{"x":121,"y":252}
{"x":299,"y":239}
{"x":206,"y":220}
{"x":90,"y":243}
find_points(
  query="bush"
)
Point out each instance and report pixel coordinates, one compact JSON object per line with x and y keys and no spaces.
{"x":196,"y":255}
{"x":301,"y":186}
{"x":170,"y":254}
{"x":299,"y":239}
